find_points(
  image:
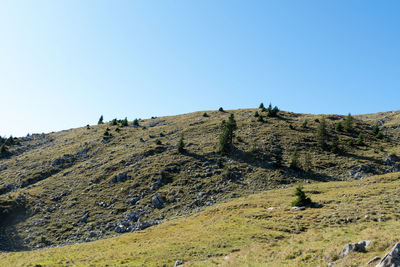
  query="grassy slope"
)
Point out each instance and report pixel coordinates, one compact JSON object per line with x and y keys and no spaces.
{"x":245,"y":232}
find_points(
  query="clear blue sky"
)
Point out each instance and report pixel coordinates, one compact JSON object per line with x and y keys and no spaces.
{"x":64,"y":63}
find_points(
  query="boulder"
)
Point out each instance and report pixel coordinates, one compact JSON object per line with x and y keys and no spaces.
{"x":392,"y":259}
{"x":157,"y":201}
{"x":357,"y":247}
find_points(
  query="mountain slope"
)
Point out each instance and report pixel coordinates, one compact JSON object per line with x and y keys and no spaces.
{"x":79,"y":185}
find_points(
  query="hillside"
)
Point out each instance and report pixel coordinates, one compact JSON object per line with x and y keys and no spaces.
{"x":79,"y":185}
{"x":257,"y":230}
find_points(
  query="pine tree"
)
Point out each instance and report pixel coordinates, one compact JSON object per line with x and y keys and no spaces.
{"x":277,"y":156}
{"x":124,"y":122}
{"x":261,"y":106}
{"x":226,"y":137}
{"x":348,"y":123}
{"x":360,"y":140}
{"x":135,"y":122}
{"x":307,"y":162}
{"x":100,"y":120}
{"x":322,"y":134}
{"x":3,"y":150}
{"x":339,"y":127}
{"x":114,"y":122}
{"x":302,"y":199}
{"x":375,"y":129}
{"x":181,"y":145}
{"x":295,"y":163}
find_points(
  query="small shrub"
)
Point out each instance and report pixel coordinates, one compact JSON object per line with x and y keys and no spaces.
{"x":379,"y":135}
{"x":114,"y":122}
{"x":335,"y":146}
{"x":302,"y":199}
{"x":277,"y":153}
{"x":158,"y":142}
{"x":221,"y":109}
{"x":135,"y":122}
{"x":205,"y":115}
{"x":260,"y":119}
{"x":339,"y":127}
{"x":360,"y":140}
{"x":88,"y":127}
{"x":304,"y":124}
{"x":256,"y":114}
{"x":261,"y":106}
{"x":316,"y":120}
{"x":375,"y":129}
{"x":291,"y":127}
{"x":117,"y":129}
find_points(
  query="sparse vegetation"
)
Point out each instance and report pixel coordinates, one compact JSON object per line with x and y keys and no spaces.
{"x":124,"y":122}
{"x":135,"y":122}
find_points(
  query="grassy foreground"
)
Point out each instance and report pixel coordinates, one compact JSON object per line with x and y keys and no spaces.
{"x":258,"y":230}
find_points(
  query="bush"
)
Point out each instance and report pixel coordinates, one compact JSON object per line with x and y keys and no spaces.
{"x":114,"y":122}
{"x":260,"y":119}
{"x":375,"y":129}
{"x":100,"y":120}
{"x":335,"y":146}
{"x":221,"y":109}
{"x":304,"y":124}
{"x":181,"y":145}
{"x":256,"y":114}
{"x":124,"y":122}
{"x":295,"y":163}
{"x":158,"y":142}
{"x":205,"y":115}
{"x":135,"y":122}
{"x":220,"y":164}
{"x":3,"y":150}
{"x":339,"y":127}
{"x":379,"y":135}
{"x":227,"y":134}
{"x":302,"y":199}
{"x":261,"y":106}
{"x":360,"y":140}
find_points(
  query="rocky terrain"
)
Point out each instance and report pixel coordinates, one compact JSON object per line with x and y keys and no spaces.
{"x":104,"y":180}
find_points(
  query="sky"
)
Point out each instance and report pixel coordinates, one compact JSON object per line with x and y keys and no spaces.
{"x":64,"y":63}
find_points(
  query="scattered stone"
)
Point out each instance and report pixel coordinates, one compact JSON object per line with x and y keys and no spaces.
{"x":298,"y":208}
{"x":392,"y":259}
{"x":157,"y":201}
{"x":374,"y":259}
{"x":84,"y":218}
{"x":358,"y":247}
{"x":178,"y":262}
